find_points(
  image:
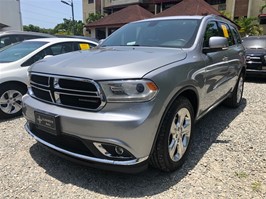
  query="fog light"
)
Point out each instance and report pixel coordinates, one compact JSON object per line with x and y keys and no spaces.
{"x":119,"y":150}
{"x":113,"y":151}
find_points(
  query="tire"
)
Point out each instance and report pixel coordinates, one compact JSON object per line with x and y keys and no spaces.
{"x":10,"y":100}
{"x":173,"y":142}
{"x":235,"y":99}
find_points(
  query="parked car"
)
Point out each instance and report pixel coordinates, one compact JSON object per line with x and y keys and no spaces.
{"x":10,"y":37}
{"x":134,"y":100}
{"x":255,"y":55}
{"x":15,"y":60}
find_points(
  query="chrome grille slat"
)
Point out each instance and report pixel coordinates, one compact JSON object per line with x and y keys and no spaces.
{"x":83,"y":99}
{"x":78,"y":91}
{"x":72,"y":94}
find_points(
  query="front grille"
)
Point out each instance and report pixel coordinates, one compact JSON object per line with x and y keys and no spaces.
{"x":254,"y":59}
{"x":76,"y":93}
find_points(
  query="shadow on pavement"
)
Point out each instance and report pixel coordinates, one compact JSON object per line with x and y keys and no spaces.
{"x":149,"y":182}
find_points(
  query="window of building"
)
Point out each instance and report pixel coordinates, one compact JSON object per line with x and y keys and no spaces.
{"x":90,"y":1}
{"x":215,"y":2}
{"x":262,"y":19}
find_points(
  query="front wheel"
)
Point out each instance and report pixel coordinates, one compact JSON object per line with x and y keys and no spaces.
{"x":174,"y":137}
{"x":10,"y":100}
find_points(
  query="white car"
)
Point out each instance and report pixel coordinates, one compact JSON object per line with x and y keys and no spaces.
{"x":15,"y":60}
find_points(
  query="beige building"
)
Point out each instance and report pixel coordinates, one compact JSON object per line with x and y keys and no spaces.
{"x":10,"y":15}
{"x":236,"y":8}
{"x":239,"y":8}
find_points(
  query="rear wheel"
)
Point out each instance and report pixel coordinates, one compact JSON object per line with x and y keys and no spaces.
{"x":235,"y":100}
{"x":11,"y":100}
{"x":173,"y":142}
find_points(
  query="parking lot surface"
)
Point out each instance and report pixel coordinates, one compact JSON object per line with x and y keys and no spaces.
{"x":228,"y":161}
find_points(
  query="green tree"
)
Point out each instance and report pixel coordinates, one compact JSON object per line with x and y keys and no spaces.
{"x":33,"y":28}
{"x":226,"y":14}
{"x":94,"y":17}
{"x":262,"y":8}
{"x":66,"y":28}
{"x":249,"y":26}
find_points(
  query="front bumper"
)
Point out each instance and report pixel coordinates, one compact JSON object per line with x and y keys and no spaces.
{"x":253,"y":72}
{"x":132,"y":128}
{"x":256,"y":69}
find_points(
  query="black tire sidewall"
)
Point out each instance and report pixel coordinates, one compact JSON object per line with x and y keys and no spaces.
{"x":178,"y":104}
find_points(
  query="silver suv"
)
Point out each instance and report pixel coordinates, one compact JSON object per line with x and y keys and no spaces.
{"x":135,"y":99}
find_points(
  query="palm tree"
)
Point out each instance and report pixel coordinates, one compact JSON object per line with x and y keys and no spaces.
{"x":249,"y":26}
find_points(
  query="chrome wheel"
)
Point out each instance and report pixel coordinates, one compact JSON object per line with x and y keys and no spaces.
{"x":179,"y":135}
{"x":240,"y":87}
{"x":10,"y":102}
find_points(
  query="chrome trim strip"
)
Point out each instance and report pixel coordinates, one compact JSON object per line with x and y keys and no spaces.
{"x":105,"y":161}
{"x":78,"y":95}
{"x":74,"y":90}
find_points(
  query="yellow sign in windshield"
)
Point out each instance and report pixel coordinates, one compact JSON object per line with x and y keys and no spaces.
{"x":84,"y":46}
{"x":225,"y":31}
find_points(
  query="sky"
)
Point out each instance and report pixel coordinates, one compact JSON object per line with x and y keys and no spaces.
{"x":48,"y":13}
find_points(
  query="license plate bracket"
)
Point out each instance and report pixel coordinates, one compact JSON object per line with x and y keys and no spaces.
{"x":47,"y":122}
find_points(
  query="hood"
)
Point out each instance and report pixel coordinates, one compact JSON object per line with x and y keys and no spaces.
{"x":255,"y":51}
{"x":109,"y":63}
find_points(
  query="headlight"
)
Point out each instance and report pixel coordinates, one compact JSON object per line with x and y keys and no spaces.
{"x":264,"y":57}
{"x":129,"y":90}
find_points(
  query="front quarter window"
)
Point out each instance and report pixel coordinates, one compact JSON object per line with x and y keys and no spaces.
{"x":174,"y":33}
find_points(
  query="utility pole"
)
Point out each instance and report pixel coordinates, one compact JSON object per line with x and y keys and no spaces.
{"x":72,"y":9}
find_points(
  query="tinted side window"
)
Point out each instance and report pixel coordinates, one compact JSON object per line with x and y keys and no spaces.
{"x":5,"y":41}
{"x":212,"y":30}
{"x":27,"y":37}
{"x":40,"y":55}
{"x":227,"y":33}
{"x":236,"y":35}
{"x":62,"y":48}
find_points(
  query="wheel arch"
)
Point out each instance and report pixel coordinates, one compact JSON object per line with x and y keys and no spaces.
{"x":17,"y":83}
{"x":192,"y":95}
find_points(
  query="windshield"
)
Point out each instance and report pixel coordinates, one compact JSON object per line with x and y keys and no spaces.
{"x":176,"y":33}
{"x":254,"y":43}
{"x":17,"y":51}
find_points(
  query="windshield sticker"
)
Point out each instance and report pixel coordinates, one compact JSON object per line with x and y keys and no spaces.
{"x":225,"y":31}
{"x":84,"y":46}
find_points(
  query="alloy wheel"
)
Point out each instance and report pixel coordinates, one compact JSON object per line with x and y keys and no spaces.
{"x":240,"y":87}
{"x":179,"y":135}
{"x":10,"y":102}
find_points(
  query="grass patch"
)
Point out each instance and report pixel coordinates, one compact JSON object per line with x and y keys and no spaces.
{"x":256,"y":186}
{"x":241,"y":174}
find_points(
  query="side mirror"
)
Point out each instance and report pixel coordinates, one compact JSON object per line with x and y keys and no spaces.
{"x":216,"y":44}
{"x":46,"y":56}
{"x":101,"y":41}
